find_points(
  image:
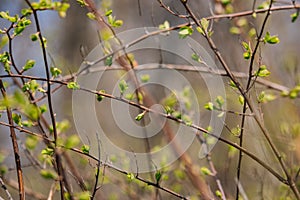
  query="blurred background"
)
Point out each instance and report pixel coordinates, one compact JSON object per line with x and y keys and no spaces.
{"x":70,"y":39}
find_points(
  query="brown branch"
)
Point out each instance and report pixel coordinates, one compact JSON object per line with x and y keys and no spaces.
{"x":15,"y":146}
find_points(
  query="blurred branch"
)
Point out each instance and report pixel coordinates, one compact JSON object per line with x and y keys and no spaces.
{"x":28,"y":191}
{"x":3,"y":186}
{"x":15,"y":146}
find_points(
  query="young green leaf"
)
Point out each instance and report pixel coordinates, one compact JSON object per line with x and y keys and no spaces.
{"x":123,"y":86}
{"x":82,"y":3}
{"x":185,"y":31}
{"x":31,"y":142}
{"x":241,"y":100}
{"x":99,"y":96}
{"x":203,"y":29}
{"x":236,"y":130}
{"x":165,"y":25}
{"x":73,"y":85}
{"x":16,"y":118}
{"x":91,"y":15}
{"x":235,"y":30}
{"x":205,"y":171}
{"x":271,"y":39}
{"x":72,"y":141}
{"x":145,"y":78}
{"x":55,"y":72}
{"x":108,"y":61}
{"x":47,"y":174}
{"x":158,"y":176}
{"x":262,"y":71}
{"x":83,"y":195}
{"x":34,"y":37}
{"x":130,"y":176}
{"x":209,"y":106}
{"x":29,"y":64}
{"x":294,"y":16}
{"x":220,"y":101}
{"x":117,"y":23}
{"x":140,"y":116}
{"x":85,"y":149}
{"x":109,"y":12}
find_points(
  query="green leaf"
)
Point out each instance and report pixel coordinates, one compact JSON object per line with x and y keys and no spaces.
{"x":185,"y":31}
{"x":196,"y":57}
{"x":2,"y":157}
{"x":99,"y":96}
{"x":61,"y":8}
{"x":29,"y":64}
{"x":63,"y":126}
{"x":130,"y":176}
{"x":241,"y":100}
{"x":235,"y":30}
{"x":109,"y":12}
{"x":5,"y":15}
{"x":43,"y":108}
{"x":85,"y":149}
{"x":108,"y":61}
{"x":271,"y":39}
{"x":91,"y":15}
{"x":47,"y":174}
{"x":82,"y":3}
{"x":252,"y":32}
{"x":16,"y":118}
{"x":218,"y":194}
{"x":30,"y":86}
{"x":117,"y":23}
{"x":225,"y":2}
{"x":84,"y":195}
{"x":31,"y":142}
{"x":232,"y":84}
{"x":72,"y":141}
{"x":177,"y":114}
{"x":236,"y":130}
{"x":205,"y":171}
{"x":21,"y":25}
{"x":158,"y":176}
{"x":204,"y":23}
{"x":48,"y":151}
{"x":27,"y":123}
{"x":220,"y":101}
{"x":130,"y":96}
{"x":263,"y":5}
{"x":55,"y":72}
{"x":73,"y":86}
{"x":34,"y":37}
{"x":26,"y":11}
{"x":32,"y":111}
{"x":3,"y":41}
{"x":123,"y":86}
{"x":3,"y":169}
{"x":247,"y":55}
{"x":294,"y":16}
{"x":145,"y":78}
{"x":170,"y":100}
{"x":262,"y":71}
{"x":209,"y":106}
{"x":140,"y":116}
{"x":165,"y":25}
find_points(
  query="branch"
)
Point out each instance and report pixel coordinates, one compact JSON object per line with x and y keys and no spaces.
{"x":15,"y":146}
